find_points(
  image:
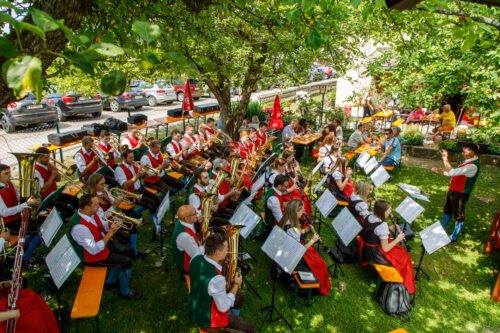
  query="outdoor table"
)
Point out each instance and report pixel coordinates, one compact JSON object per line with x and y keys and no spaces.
{"x":52,"y":148}
{"x":197,"y":115}
{"x":384,"y":115}
{"x":434,"y":119}
{"x":366,"y":148}
{"x":306,"y":141}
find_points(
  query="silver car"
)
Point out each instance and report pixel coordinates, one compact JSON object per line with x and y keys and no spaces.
{"x":25,"y":112}
{"x":157,"y":93}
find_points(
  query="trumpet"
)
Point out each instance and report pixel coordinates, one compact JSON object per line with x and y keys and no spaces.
{"x":128,"y":197}
{"x":150,"y":170}
{"x":102,"y":160}
{"x":125,"y":222}
{"x":146,"y":140}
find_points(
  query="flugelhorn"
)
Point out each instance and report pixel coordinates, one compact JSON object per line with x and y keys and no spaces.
{"x":125,"y":222}
{"x":128,"y":197}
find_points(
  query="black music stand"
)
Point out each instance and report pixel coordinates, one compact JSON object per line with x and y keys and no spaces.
{"x":419,"y":269}
{"x":433,"y":238}
{"x":162,"y":247}
{"x":263,"y":166}
{"x":272,"y":308}
{"x":50,"y":199}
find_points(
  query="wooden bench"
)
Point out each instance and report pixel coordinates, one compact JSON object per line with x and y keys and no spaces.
{"x":349,"y":155}
{"x":495,"y":296}
{"x":386,"y":274}
{"x":188,"y":282}
{"x":88,"y":297}
{"x":389,"y":167}
{"x":73,"y":190}
{"x":343,"y":203}
{"x":399,"y":330}
{"x":151,"y":190}
{"x":303,"y":287}
{"x":397,"y":122}
{"x":175,"y":175}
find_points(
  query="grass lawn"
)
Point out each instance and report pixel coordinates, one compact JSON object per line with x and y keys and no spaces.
{"x":455,"y":299}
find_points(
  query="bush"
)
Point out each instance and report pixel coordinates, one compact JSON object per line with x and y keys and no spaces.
{"x":449,"y":145}
{"x":255,"y":109}
{"x":339,"y":113}
{"x":412,"y":136}
{"x":494,"y":149}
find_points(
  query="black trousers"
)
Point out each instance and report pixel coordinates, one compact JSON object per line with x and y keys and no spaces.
{"x":119,"y":256}
{"x":33,"y":226}
{"x":66,"y":204}
{"x":366,"y":111}
{"x":455,"y":204}
{"x":149,"y":200}
{"x":166,"y":183}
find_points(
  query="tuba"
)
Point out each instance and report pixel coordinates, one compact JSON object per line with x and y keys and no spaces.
{"x":235,"y":163}
{"x":231,"y":263}
{"x":28,"y":185}
{"x":206,"y":214}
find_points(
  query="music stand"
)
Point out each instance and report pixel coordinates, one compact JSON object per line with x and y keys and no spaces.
{"x":325,"y":204}
{"x":263,"y":166}
{"x":162,"y":210}
{"x":379,"y":176}
{"x":433,"y":238}
{"x":49,"y":200}
{"x":347,"y":228}
{"x":61,"y":261}
{"x":414,"y":192}
{"x":286,"y":252}
{"x":50,"y":227}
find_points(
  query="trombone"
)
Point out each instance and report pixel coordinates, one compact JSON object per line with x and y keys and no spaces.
{"x":68,"y":170}
{"x":128,"y":197}
{"x":125,"y":222}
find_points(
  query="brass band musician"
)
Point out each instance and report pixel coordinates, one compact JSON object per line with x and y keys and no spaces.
{"x":106,"y":151}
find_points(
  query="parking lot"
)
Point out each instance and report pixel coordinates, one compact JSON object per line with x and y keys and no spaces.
{"x":27,"y":137}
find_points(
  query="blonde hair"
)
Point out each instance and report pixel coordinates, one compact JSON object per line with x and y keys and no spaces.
{"x":363,"y":189}
{"x":290,"y":214}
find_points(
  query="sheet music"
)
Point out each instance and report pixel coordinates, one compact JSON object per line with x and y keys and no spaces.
{"x":317,"y":167}
{"x":409,"y":210}
{"x":346,"y":226}
{"x":413,"y":192}
{"x":379,"y":176}
{"x":370,"y":165}
{"x":164,"y":207}
{"x":50,"y":227}
{"x":434,"y":237}
{"x":362,"y":159}
{"x":283,"y":249}
{"x":320,"y":184}
{"x":326,"y":203}
{"x":261,"y":181}
{"x":247,"y":217}
{"x":62,"y":261}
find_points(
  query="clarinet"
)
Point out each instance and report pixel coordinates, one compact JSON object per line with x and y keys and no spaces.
{"x":394,"y":222}
{"x":323,"y":245}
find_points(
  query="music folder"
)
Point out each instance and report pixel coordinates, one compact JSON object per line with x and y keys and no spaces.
{"x":49,"y":200}
{"x":346,"y":226}
{"x":409,"y":210}
{"x":434,"y":237}
{"x":62,"y":261}
{"x":164,"y":207}
{"x":50,"y":227}
{"x":326,"y":203}
{"x":246,"y":217}
{"x":283,"y":249}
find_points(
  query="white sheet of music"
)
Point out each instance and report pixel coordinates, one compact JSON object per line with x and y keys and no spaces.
{"x":326,"y":203}
{"x":379,"y":176}
{"x":413,"y":191}
{"x":62,"y":261}
{"x":434,"y":237}
{"x":320,"y":184}
{"x":50,"y":227}
{"x":316,"y":168}
{"x":370,"y":165}
{"x":409,"y":209}
{"x":259,"y":183}
{"x":346,"y":226}
{"x":283,"y":249}
{"x":362,"y":159}
{"x":247,"y":217}
{"x":164,"y":207}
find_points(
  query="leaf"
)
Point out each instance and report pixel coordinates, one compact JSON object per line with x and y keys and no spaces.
{"x":107,"y":49}
{"x":181,"y":59}
{"x":24,"y":75}
{"x":485,"y":27}
{"x":80,"y":61}
{"x":366,"y":11}
{"x":68,"y":33}
{"x":355,"y":3}
{"x":114,"y":83}
{"x":469,"y":41}
{"x":7,"y":49}
{"x":7,"y":18}
{"x":293,"y":15}
{"x":151,"y":58}
{"x":308,"y":5}
{"x":380,"y":4}
{"x":43,"y":20}
{"x":314,"y":39}
{"x":30,"y":27}
{"x":147,"y":31}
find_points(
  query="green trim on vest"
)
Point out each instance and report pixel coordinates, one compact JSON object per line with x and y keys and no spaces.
{"x":268,"y":214}
{"x":75,"y":220}
{"x":469,"y":184}
{"x":200,"y":302}
{"x":176,"y":253}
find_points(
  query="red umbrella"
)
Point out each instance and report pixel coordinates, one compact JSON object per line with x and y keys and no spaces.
{"x":276,"y":121}
{"x":187,"y":103}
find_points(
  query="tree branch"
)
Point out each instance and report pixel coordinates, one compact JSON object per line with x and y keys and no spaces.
{"x":477,"y":18}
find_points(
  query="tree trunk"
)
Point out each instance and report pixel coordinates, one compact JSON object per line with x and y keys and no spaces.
{"x":72,"y":11}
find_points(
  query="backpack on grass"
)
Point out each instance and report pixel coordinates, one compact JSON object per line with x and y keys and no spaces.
{"x":395,"y":300}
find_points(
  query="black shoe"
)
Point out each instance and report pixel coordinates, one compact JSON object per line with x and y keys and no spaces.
{"x":109,"y":286}
{"x":132,"y":296}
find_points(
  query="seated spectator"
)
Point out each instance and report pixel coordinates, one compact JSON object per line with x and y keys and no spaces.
{"x":396,"y":132}
{"x":339,"y":133}
{"x":392,"y":150}
{"x":448,"y":119}
{"x":358,"y":137}
{"x":416,"y":115}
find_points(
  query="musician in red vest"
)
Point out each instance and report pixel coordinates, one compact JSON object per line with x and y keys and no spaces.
{"x":262,"y":133}
{"x":91,"y":239}
{"x":86,"y":160}
{"x":158,"y":179}
{"x":178,"y":152}
{"x":185,"y":245}
{"x":133,"y":139}
{"x":210,"y":148}
{"x":244,"y":145}
{"x":48,"y":176}
{"x":190,"y":143}
{"x":275,"y":203}
{"x":227,"y":206}
{"x":10,"y":211}
{"x":128,"y":175}
{"x":106,"y":150}
{"x":210,"y":305}
{"x":463,"y":179}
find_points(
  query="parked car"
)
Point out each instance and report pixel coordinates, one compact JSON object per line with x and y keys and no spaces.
{"x":25,"y":112}
{"x":179,"y":85}
{"x":156,"y":93}
{"x":129,"y":99}
{"x":74,"y":104}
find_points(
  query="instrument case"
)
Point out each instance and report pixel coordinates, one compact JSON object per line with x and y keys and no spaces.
{"x":177,"y":112}
{"x":114,"y":124}
{"x":94,"y":129}
{"x":137,"y":119}
{"x":59,"y":139}
{"x":208,"y":107}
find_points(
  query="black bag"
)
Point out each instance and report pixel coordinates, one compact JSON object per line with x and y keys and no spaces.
{"x":114,"y":124}
{"x":202,"y":108}
{"x":59,"y":139}
{"x":395,"y":300}
{"x":345,"y":254}
{"x":137,"y":118}
{"x":94,"y":129}
{"x":177,"y":112}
